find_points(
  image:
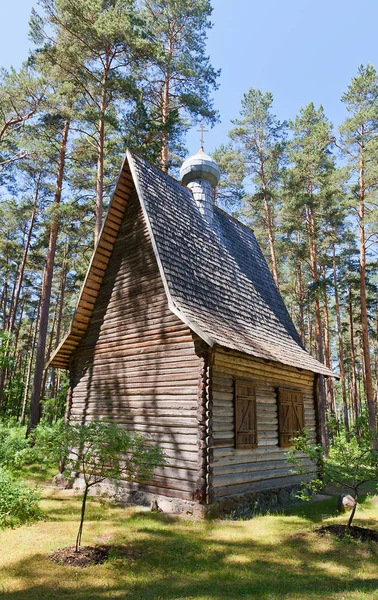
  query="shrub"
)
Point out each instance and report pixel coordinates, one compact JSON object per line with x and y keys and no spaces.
{"x":18,"y":502}
{"x":99,"y":451}
{"x":14,"y":447}
{"x":352,"y":460}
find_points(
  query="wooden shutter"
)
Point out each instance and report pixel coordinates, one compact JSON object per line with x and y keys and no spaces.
{"x":245,"y":415}
{"x":290,"y":415}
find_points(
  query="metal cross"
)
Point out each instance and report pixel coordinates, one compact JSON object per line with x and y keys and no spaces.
{"x":202,"y":130}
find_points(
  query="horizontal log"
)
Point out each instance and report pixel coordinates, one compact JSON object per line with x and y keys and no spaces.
{"x":223,"y":457}
{"x":107,"y":391}
{"x":162,"y":491}
{"x":128,"y":387}
{"x":283,"y":381}
{"x":149,"y":370}
{"x":148,"y":350}
{"x":137,"y":362}
{"x":132,"y":285}
{"x":160,"y":435}
{"x":141,"y":341}
{"x":228,"y":442}
{"x":257,"y":486}
{"x":127,"y":332}
{"x":251,"y":368}
{"x":254,"y":467}
{"x":136,"y":397}
{"x":163,"y":319}
{"x":182,"y":423}
{"x":142,"y":376}
{"x":154,"y":305}
{"x":241,"y":358}
{"x":150,"y":408}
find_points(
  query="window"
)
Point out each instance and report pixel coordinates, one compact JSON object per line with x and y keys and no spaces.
{"x":245,"y":414}
{"x":290,"y":415}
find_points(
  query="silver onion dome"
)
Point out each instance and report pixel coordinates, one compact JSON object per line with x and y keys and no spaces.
{"x":200,"y":167}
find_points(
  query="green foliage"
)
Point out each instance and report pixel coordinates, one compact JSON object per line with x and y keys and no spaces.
{"x":14,"y":447}
{"x":21,"y":94}
{"x":18,"y":502}
{"x":98,"y":451}
{"x":351,"y":462}
{"x":230,"y":190}
{"x":176,"y":86}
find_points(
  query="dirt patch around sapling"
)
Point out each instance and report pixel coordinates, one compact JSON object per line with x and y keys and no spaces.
{"x":86,"y":556}
{"x":363,"y":534}
{"x":94,"y":555}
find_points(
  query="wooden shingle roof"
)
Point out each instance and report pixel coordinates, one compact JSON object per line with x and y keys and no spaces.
{"x":216,"y":278}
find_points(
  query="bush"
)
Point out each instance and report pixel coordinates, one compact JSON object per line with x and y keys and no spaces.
{"x":352,"y":460}
{"x":98,"y":451}
{"x":44,"y":446}
{"x":18,"y":502}
{"x":14,"y":447}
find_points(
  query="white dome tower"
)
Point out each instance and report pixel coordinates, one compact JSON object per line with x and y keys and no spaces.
{"x":201,"y":175}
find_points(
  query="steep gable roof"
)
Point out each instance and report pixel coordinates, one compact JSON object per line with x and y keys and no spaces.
{"x":216,"y":278}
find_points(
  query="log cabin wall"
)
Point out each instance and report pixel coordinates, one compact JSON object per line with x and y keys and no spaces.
{"x":137,"y":363}
{"x":237,"y":471}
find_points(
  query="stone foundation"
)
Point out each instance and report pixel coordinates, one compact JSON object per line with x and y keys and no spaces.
{"x":122,"y":494}
{"x":236,"y":507}
{"x":257,"y":503}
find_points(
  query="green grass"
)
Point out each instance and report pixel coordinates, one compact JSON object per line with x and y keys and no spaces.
{"x":268,"y":558}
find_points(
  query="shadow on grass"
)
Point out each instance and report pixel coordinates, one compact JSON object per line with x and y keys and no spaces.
{"x":317,"y":512}
{"x":169,"y":560}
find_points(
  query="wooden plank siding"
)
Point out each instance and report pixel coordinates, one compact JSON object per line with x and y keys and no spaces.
{"x":238,"y":471}
{"x":137,"y":363}
{"x":96,"y":271}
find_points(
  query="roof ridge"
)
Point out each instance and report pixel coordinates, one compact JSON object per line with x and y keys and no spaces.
{"x":132,"y":153}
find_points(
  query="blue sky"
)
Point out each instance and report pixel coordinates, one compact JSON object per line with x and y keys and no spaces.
{"x":300,"y":50}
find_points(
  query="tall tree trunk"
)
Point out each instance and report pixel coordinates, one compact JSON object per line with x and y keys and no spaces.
{"x":100,"y":178}
{"x":30,"y":365}
{"x":35,"y":402}
{"x":309,"y":324}
{"x":5,"y":297}
{"x":165,"y":111}
{"x":368,"y":380}
{"x":354,"y":391}
{"x":17,"y":288}
{"x":25,"y":256}
{"x":100,"y":150}
{"x":62,"y":286}
{"x":327,"y":352}
{"x":311,"y":229}
{"x":340,"y":340}
{"x":48,"y":354}
{"x":269,"y":226}
{"x":300,"y":295}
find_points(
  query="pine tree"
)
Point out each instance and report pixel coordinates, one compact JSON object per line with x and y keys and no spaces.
{"x":359,"y":143}
{"x":311,"y":164}
{"x":21,"y":94}
{"x":180,"y":76}
{"x":230,"y":190}
{"x":96,"y":44}
{"x":260,"y":139}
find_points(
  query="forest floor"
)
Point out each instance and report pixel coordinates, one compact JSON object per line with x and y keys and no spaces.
{"x":158,"y":557}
